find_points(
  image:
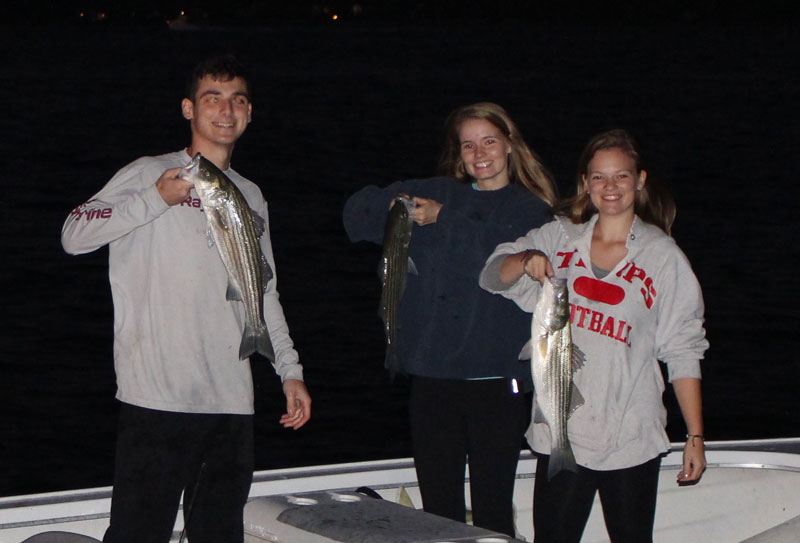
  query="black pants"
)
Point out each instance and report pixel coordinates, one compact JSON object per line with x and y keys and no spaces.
{"x":159,"y":454}
{"x":561,"y":507}
{"x":455,"y":421}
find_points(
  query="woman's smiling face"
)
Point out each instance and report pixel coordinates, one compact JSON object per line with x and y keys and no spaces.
{"x":611,"y":180}
{"x":484,"y":151}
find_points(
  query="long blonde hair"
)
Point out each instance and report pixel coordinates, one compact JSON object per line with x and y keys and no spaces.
{"x":653,"y":204}
{"x":524,"y":166}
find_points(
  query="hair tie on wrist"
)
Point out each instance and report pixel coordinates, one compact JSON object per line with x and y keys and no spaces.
{"x":692,"y":436}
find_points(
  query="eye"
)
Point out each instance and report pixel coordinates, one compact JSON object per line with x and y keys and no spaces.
{"x":467,"y":146}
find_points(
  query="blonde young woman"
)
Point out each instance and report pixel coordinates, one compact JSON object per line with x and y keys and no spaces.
{"x":634,"y":301}
{"x":459,"y":343}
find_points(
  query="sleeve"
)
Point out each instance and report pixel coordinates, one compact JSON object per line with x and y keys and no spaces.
{"x":365,"y":212}
{"x":287,"y":361}
{"x":525,"y":292}
{"x":129,"y":200}
{"x":680,"y":337}
{"x":470,"y":240}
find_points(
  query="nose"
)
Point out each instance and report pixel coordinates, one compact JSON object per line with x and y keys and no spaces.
{"x":610,"y":182}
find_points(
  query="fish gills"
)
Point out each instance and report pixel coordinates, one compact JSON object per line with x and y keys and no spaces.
{"x":393,"y":272}
{"x":552,"y":368}
{"x":235,"y":229}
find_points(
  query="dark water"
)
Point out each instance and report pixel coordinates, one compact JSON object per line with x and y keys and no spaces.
{"x":338,"y":108}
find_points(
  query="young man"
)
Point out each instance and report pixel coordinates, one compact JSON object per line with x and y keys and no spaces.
{"x":187,"y":399}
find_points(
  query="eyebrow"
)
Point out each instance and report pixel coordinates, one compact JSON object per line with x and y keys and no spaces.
{"x":215,"y":92}
{"x":483,"y":138}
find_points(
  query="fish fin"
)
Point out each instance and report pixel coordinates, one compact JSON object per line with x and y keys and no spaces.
{"x":560,"y":459}
{"x":538,"y":414}
{"x":575,"y":400}
{"x":412,"y":268}
{"x":259,"y":224}
{"x":267,"y":270}
{"x":253,"y":341}
{"x":392,"y":362}
{"x":527,"y":352}
{"x":578,"y":358}
{"x":210,"y":238}
{"x":248,"y":345}
{"x":542,"y":344}
{"x":233,"y":294}
{"x":264,"y":346}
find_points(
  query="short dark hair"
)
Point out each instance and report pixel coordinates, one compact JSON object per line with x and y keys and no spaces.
{"x":219,"y":67}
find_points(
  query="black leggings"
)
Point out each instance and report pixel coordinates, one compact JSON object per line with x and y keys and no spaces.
{"x":561,"y":507}
{"x":484,"y":421}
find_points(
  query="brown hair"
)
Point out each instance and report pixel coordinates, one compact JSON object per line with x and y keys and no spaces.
{"x":653,"y":204}
{"x":524,"y":166}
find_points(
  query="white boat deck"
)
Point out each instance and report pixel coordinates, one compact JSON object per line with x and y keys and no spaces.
{"x":750,"y":492}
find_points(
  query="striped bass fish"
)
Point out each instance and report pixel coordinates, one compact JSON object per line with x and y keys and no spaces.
{"x":393,"y":271}
{"x":553,"y":362}
{"x":235,"y":228}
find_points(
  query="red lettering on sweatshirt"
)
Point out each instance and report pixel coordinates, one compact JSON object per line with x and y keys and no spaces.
{"x":192,"y":202}
{"x":90,"y":214}
{"x":566,"y":259}
{"x":630,"y":272}
{"x":599,"y":323}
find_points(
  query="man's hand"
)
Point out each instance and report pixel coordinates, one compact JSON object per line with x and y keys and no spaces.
{"x":298,"y":404}
{"x":172,"y":188}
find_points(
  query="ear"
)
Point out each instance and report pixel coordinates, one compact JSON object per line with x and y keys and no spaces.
{"x":187,"y":107}
{"x":249,"y":113}
{"x":642,"y":180}
{"x":585,"y":183}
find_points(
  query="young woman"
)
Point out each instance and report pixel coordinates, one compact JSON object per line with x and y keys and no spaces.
{"x":459,"y":343}
{"x":634,"y":300}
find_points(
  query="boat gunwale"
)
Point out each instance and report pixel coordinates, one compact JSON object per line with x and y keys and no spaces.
{"x":782,"y":455}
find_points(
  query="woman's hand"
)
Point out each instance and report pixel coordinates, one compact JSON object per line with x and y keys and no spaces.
{"x":536,"y":265}
{"x":532,"y":263}
{"x":427,"y":211}
{"x":694,"y":460}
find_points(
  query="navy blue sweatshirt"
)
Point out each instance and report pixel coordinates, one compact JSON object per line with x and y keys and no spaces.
{"x":450,"y":328}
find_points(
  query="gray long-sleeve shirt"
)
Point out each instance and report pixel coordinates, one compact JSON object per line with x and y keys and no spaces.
{"x":176,"y":337}
{"x":648,"y":308}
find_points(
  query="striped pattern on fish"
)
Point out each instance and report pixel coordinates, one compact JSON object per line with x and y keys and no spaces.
{"x":553,"y":363}
{"x":235,"y":230}
{"x":394,"y":267}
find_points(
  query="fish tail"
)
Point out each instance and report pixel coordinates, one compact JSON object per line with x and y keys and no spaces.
{"x":253,"y":341}
{"x":392,"y":362}
{"x":561,"y":458}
